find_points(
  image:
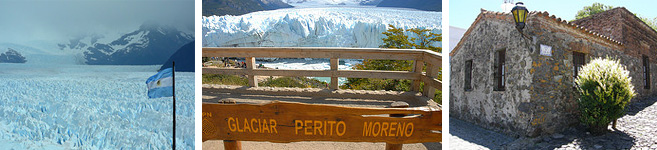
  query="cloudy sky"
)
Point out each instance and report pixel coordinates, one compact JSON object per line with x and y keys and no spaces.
{"x":28,"y":21}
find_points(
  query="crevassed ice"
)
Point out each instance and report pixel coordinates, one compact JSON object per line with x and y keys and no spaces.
{"x":90,"y":107}
{"x":313,"y":27}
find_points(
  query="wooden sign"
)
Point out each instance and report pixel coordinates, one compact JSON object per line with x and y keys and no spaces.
{"x":284,"y":122}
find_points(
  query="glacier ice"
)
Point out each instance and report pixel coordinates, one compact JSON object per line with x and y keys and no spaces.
{"x":90,"y":107}
{"x":313,"y":27}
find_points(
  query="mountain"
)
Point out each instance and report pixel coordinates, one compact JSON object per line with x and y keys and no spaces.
{"x":313,"y":27}
{"x":184,"y":58}
{"x":428,"y":5}
{"x":12,"y":56}
{"x":151,"y":44}
{"x":239,"y":7}
{"x":370,"y":2}
{"x":80,"y":42}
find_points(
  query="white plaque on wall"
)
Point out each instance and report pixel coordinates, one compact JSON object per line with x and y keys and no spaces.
{"x":546,"y":50}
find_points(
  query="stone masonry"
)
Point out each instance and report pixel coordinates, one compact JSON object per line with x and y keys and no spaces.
{"x":539,"y":95}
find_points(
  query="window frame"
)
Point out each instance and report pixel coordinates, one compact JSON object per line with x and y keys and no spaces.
{"x":578,"y":64}
{"x":500,"y":70}
{"x":467,"y":75}
{"x":646,"y":72}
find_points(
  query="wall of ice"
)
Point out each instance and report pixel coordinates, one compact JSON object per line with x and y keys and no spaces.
{"x":313,"y":27}
{"x":35,"y":55}
{"x":90,"y":107}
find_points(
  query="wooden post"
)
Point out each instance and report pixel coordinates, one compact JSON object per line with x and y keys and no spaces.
{"x":232,"y":145}
{"x":398,"y":104}
{"x":431,"y":73}
{"x":250,"y":65}
{"x":417,"y":69}
{"x":334,"y":73}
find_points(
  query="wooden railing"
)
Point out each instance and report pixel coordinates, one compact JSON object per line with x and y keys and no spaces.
{"x":431,"y":59}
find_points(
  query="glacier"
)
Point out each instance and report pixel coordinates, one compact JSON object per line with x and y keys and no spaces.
{"x":311,"y":64}
{"x":359,"y":26}
{"x":91,"y":107}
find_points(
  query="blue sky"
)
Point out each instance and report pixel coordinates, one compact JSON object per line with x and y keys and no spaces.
{"x":463,"y":12}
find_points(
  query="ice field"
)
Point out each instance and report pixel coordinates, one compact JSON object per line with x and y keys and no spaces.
{"x":315,"y":24}
{"x":314,"y":27}
{"x":90,"y":107}
{"x":312,"y":64}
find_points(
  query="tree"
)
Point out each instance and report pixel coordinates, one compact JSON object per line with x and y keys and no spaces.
{"x":593,"y":9}
{"x":395,"y":38}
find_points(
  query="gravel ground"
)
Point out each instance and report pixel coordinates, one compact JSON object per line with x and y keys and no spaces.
{"x":636,"y":130}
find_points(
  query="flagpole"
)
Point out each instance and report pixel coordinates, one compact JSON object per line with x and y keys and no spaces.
{"x":174,"y":104}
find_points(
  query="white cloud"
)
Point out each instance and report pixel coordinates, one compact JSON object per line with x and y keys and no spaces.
{"x":27,"y":21}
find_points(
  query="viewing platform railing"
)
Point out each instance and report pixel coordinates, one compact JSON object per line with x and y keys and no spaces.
{"x":420,"y":57}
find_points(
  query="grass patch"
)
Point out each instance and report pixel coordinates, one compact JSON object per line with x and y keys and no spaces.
{"x":225,"y":79}
{"x":296,"y":82}
{"x":283,"y":82}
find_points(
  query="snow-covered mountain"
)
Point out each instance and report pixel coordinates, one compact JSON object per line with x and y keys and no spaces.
{"x":239,"y":7}
{"x":314,"y":27}
{"x":151,"y":44}
{"x":428,"y":5}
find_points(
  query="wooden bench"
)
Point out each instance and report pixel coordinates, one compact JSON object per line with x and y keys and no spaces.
{"x":283,"y":122}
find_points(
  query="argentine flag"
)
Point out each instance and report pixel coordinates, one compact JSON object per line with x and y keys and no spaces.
{"x":161,"y":84}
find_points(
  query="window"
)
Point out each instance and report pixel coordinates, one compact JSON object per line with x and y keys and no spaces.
{"x":500,"y":70}
{"x":578,"y":62}
{"x":468,"y":76}
{"x":646,"y":72}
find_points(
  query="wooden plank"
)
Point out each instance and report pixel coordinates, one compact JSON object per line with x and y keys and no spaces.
{"x":391,"y":146}
{"x":394,"y":146}
{"x":314,"y":52}
{"x":316,"y":73}
{"x":435,"y":83}
{"x":250,"y":66}
{"x":334,"y":73}
{"x":284,"y":122}
{"x":418,"y":65}
{"x":232,"y":145}
{"x":432,"y":71}
{"x":433,"y":58}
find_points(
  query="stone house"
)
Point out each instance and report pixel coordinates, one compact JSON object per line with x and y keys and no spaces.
{"x":523,"y":83}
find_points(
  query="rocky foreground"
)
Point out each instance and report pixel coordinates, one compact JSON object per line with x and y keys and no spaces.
{"x":636,"y":130}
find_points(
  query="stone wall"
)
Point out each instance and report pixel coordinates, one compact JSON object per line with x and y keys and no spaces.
{"x":539,"y":97}
{"x":497,"y":110}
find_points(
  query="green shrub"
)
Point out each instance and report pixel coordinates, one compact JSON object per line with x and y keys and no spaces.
{"x":283,"y":82}
{"x":605,"y":88}
{"x":224,"y":79}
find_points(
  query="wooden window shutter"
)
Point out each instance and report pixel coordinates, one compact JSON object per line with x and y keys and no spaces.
{"x":468,"y":75}
{"x":499,"y":73}
{"x":646,"y":71}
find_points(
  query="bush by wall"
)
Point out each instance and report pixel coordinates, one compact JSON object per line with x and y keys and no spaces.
{"x":605,"y":88}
